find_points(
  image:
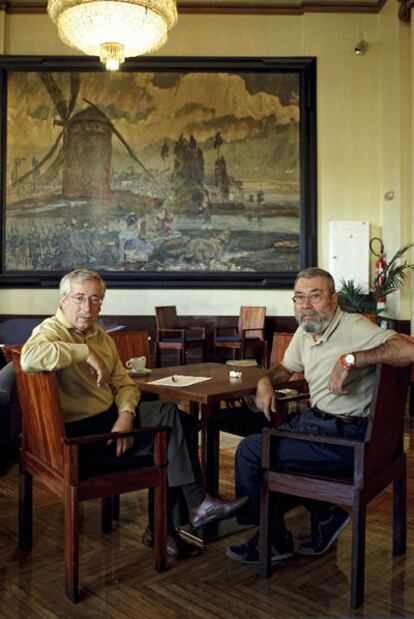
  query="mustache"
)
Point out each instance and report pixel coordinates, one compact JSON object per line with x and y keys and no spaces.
{"x":85,"y":315}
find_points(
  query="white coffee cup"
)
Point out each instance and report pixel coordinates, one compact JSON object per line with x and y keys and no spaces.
{"x":136,"y":364}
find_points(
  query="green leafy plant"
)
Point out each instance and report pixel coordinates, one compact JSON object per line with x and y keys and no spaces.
{"x":353,"y":299}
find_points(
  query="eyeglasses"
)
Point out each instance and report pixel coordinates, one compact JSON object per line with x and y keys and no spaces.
{"x":81,"y":298}
{"x":315,"y":298}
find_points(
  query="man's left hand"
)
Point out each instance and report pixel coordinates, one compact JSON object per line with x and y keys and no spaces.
{"x":338,"y":378}
{"x":124,"y":423}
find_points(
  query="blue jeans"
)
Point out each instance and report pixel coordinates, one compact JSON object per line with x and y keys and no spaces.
{"x":296,"y":455}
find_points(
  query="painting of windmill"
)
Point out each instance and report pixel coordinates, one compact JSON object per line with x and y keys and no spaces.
{"x":140,"y":173}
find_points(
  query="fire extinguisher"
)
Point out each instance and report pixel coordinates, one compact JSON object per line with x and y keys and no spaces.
{"x":380,"y":266}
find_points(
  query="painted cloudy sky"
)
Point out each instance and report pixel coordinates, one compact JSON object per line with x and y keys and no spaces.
{"x":250,"y":110}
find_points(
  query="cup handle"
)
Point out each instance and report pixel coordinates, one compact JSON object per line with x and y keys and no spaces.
{"x":128,"y":364}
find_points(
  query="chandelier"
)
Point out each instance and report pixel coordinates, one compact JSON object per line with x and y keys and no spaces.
{"x":113,"y":29}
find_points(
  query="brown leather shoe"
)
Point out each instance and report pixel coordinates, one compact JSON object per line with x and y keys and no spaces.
{"x":214,"y":508}
{"x":177,"y":548}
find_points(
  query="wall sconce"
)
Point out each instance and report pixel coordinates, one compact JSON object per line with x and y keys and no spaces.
{"x":361,"y":48}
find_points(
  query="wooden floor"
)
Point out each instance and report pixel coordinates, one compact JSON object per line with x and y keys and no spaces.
{"x":118,"y":579}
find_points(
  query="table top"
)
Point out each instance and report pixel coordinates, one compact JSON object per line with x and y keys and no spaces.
{"x":220,"y":387}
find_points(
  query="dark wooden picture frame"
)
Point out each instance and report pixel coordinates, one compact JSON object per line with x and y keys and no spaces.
{"x":173,"y":172}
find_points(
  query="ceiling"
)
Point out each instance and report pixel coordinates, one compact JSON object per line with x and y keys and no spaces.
{"x":234,"y":6}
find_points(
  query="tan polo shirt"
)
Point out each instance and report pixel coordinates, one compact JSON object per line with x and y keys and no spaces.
{"x":56,"y":345}
{"x":345,"y":333}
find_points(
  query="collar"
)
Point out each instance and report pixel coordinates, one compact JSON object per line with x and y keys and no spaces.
{"x":60,"y":317}
{"x":337,"y":317}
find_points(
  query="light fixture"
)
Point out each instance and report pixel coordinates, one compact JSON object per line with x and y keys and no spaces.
{"x":113,"y":29}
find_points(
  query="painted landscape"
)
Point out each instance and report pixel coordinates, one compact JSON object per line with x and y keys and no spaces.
{"x":157,"y":172}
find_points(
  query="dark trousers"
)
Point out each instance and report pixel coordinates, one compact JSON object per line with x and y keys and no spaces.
{"x":183,"y":464}
{"x":296,"y":455}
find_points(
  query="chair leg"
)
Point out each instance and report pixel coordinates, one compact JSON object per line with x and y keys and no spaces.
{"x":160,"y":522}
{"x":157,"y":356}
{"x":358,"y":555}
{"x":72,"y":544}
{"x":265,"y":567}
{"x":400,"y":514}
{"x":116,"y":507}
{"x":181,"y":356}
{"x":106,"y":514}
{"x":25,"y":510}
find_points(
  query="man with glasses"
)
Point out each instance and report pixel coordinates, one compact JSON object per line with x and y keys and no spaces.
{"x":337,"y":353}
{"x":98,"y":396}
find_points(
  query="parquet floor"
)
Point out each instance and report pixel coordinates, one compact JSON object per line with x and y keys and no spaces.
{"x":119,"y":582}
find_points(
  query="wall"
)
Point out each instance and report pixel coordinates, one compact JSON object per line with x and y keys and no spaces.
{"x":363,"y":143}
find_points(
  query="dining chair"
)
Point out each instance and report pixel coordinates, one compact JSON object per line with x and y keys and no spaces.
{"x":132,"y":344}
{"x":378,"y":460}
{"x":53,"y":460}
{"x":249,"y":334}
{"x":171,"y":336}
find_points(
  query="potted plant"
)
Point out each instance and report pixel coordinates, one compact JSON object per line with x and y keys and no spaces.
{"x":353,"y":299}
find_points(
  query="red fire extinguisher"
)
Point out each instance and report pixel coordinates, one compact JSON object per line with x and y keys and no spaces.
{"x":380,"y":266}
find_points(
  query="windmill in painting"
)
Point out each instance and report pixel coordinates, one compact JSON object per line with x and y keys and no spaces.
{"x":153,"y":172}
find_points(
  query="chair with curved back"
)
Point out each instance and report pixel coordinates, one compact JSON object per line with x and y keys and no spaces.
{"x":171,"y":336}
{"x":249,"y":334}
{"x":53,"y":460}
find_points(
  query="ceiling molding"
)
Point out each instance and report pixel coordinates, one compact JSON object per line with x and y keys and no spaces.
{"x":242,"y":7}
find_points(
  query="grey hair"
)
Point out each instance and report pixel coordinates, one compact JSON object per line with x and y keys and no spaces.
{"x":311,"y":272}
{"x":80,"y":275}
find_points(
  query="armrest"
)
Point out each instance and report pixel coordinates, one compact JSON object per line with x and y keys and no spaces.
{"x":250,"y":329}
{"x":313,"y":438}
{"x":171,"y":333}
{"x":96,"y":438}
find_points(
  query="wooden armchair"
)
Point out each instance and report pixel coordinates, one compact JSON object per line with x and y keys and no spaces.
{"x":171,"y":336}
{"x":53,"y":460}
{"x":132,"y":344}
{"x":250,"y":333}
{"x":378,"y":461}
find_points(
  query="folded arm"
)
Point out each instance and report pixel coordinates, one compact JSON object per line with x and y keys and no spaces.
{"x":398,"y":350}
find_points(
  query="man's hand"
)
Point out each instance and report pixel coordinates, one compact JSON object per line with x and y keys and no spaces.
{"x":98,"y":367}
{"x":265,"y":397}
{"x":338,"y":378}
{"x":124,"y":423}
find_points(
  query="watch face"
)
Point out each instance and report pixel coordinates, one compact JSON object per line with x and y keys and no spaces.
{"x":350,"y":359}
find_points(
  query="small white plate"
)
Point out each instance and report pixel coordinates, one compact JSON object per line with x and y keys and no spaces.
{"x":143,"y":372}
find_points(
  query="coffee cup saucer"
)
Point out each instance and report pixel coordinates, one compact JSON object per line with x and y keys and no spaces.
{"x":143,"y":372}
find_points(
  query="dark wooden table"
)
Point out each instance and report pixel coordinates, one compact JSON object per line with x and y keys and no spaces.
{"x":208,"y":396}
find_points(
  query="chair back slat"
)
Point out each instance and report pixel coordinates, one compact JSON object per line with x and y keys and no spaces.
{"x":252,"y":318}
{"x":42,"y":419}
{"x":280,"y":342}
{"x":386,"y":422}
{"x":166,"y":317}
{"x":132,"y":344}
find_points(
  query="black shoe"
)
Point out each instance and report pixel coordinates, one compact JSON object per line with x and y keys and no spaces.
{"x":325,"y":532}
{"x":248,"y":553}
{"x":214,"y":508}
{"x":177,"y":548}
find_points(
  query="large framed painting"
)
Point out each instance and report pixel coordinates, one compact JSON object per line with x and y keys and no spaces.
{"x":182,"y":172}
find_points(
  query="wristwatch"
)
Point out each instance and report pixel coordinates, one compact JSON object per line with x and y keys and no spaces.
{"x":348,"y":361}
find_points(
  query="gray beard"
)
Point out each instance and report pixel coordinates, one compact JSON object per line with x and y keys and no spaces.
{"x":317,"y":325}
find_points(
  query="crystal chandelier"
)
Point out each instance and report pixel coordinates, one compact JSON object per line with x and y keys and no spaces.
{"x":113,"y":29}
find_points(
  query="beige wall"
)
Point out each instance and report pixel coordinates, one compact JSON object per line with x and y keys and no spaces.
{"x":364,"y":140}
